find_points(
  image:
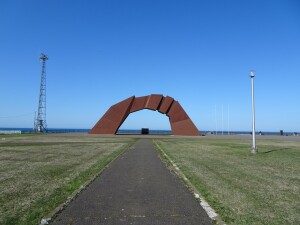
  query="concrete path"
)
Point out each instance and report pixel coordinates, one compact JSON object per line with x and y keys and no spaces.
{"x":136,"y":188}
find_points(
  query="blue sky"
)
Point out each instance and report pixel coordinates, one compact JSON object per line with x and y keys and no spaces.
{"x":198,"y":52}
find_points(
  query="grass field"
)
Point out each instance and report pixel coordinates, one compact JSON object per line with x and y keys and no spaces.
{"x":243,"y":188}
{"x":39,"y":172}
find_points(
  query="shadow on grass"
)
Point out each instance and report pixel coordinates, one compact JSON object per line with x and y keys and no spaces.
{"x":275,"y":150}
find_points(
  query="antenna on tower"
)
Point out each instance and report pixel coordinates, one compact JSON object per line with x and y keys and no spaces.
{"x":40,"y":124}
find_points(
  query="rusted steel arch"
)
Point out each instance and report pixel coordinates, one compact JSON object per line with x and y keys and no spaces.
{"x":180,"y":122}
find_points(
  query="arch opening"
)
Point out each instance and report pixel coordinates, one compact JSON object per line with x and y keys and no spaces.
{"x":158,"y":124}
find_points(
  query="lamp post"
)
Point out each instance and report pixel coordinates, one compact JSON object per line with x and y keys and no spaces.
{"x":254,"y":148}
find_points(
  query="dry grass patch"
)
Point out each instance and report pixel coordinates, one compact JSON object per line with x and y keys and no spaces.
{"x":243,"y":188}
{"x":37,"y":173}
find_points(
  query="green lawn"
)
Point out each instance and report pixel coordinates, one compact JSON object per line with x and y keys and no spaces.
{"x":243,"y":188}
{"x":39,"y":172}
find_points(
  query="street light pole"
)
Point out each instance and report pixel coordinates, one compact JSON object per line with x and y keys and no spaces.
{"x":254,"y":148}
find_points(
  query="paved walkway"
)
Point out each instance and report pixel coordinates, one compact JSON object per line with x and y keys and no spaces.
{"x":136,"y":188}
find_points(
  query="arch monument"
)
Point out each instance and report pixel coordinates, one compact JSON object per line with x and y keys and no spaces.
{"x":180,"y":122}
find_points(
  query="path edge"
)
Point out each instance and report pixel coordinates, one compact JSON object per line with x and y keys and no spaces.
{"x":54,"y":213}
{"x":174,"y":168}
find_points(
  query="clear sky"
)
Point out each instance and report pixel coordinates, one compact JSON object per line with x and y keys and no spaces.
{"x":199,"y":52}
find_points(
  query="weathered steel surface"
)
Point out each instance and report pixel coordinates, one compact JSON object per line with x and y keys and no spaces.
{"x":165,"y":105}
{"x":113,"y":118}
{"x":139,"y":103}
{"x":180,"y":122}
{"x":153,"y":102}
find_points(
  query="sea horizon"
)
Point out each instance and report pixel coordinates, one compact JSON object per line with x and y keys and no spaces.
{"x":151,"y":131}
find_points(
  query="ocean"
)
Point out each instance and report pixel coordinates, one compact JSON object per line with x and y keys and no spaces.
{"x":80,"y":130}
{"x":132,"y":131}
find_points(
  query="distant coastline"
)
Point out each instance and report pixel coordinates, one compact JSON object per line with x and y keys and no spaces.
{"x":134,"y":131}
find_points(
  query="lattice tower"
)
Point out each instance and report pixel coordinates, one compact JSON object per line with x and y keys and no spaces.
{"x":40,"y":124}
